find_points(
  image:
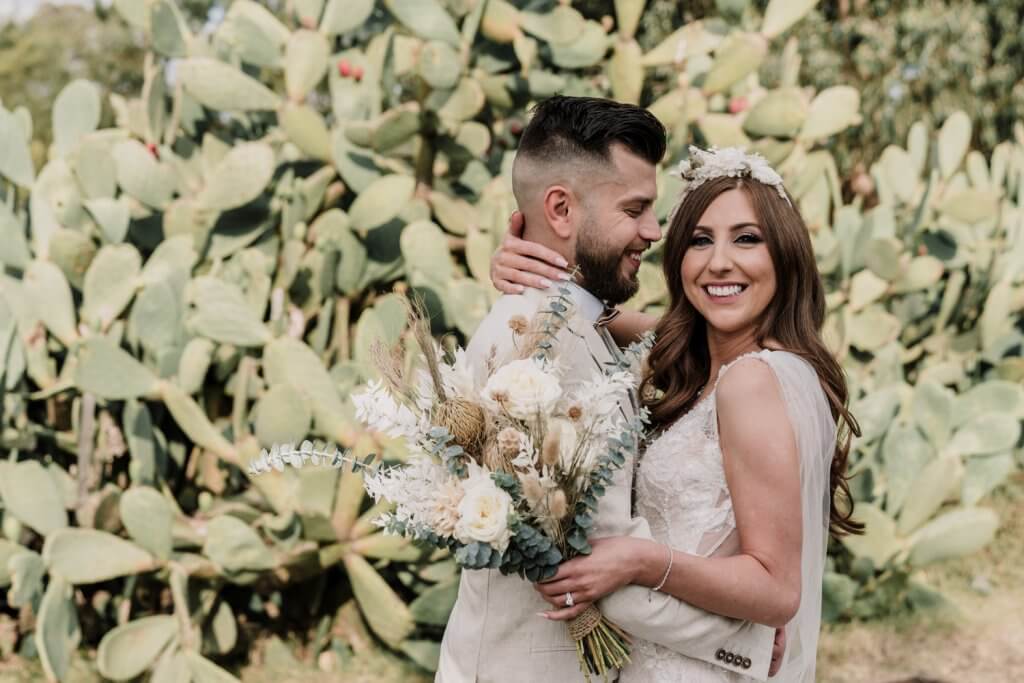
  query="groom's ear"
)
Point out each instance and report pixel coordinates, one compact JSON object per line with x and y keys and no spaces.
{"x":560,"y":209}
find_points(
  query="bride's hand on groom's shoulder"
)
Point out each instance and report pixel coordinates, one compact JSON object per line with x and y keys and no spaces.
{"x":519,"y":263}
{"x":610,"y":566}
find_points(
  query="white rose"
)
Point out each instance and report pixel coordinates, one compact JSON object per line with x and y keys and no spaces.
{"x":483,"y":513}
{"x":523,"y":389}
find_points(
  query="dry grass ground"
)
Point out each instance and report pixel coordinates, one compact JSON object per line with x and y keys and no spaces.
{"x":981,"y":642}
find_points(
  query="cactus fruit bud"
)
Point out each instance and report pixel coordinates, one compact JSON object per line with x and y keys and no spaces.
{"x":151,"y":146}
{"x":862,"y":184}
{"x":357,"y":73}
{"x":607,"y":23}
{"x":333,"y":193}
{"x":738,"y":104}
{"x":344,"y":68}
{"x":515,"y":127}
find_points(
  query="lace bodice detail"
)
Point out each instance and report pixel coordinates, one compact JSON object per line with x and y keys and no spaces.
{"x":682,"y":493}
{"x":680,"y":484}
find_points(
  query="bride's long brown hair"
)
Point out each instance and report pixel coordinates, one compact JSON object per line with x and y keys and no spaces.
{"x":680,"y":363}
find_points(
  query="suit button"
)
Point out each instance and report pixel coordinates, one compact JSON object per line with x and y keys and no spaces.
{"x":728,"y":657}
{"x":746,"y":663}
{"x":720,"y":655}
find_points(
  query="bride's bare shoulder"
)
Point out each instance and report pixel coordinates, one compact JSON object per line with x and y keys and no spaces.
{"x":747,"y":380}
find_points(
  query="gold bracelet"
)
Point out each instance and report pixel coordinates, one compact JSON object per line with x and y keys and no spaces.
{"x":668,"y":570}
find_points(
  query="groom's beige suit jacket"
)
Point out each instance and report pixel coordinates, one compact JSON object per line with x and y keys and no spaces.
{"x":495,"y":635}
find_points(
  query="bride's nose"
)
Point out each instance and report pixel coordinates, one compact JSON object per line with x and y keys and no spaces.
{"x":721,"y":260}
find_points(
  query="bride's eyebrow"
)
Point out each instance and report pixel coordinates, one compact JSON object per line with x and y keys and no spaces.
{"x":734,"y":228}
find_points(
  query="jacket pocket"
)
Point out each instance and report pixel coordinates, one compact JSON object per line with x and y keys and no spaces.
{"x":551,"y":636}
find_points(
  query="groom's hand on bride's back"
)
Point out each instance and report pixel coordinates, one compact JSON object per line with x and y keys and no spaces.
{"x":518,"y":263}
{"x":778,"y":649}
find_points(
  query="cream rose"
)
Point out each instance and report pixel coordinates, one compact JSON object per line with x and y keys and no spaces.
{"x":523,"y":389}
{"x":446,"y":508}
{"x":483,"y":513}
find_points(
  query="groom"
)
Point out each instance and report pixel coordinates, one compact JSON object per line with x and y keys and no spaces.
{"x":584,"y":178}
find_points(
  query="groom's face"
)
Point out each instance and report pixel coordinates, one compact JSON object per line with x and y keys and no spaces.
{"x":617,"y":226}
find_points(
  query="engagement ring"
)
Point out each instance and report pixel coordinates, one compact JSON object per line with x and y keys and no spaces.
{"x":569,"y":602}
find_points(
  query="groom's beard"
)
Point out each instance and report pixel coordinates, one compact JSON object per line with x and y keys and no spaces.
{"x":601,"y":271}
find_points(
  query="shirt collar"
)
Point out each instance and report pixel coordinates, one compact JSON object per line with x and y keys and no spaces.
{"x":589,"y":306}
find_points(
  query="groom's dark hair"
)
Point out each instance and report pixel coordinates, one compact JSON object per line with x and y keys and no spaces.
{"x":565,"y":127}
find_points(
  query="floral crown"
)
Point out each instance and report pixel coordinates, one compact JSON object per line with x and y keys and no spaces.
{"x":734,"y":162}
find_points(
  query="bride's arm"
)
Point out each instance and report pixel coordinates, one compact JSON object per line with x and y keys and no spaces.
{"x":519,"y":263}
{"x":761,"y":583}
{"x":629,"y":326}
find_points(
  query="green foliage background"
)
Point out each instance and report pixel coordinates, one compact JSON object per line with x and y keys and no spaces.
{"x":201,"y":238}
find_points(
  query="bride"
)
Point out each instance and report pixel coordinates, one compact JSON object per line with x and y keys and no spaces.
{"x":744,"y":477}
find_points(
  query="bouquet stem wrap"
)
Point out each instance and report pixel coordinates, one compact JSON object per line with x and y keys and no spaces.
{"x":601,"y":646}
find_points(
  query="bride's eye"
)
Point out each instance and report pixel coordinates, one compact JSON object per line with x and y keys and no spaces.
{"x":700,"y":241}
{"x":749,"y":238}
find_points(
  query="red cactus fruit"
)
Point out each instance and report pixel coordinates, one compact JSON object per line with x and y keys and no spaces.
{"x":738,"y":104}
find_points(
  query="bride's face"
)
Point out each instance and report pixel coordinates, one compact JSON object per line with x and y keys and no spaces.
{"x":727,"y":271}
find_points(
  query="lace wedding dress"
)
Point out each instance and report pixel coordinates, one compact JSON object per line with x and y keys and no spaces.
{"x":682,"y":492}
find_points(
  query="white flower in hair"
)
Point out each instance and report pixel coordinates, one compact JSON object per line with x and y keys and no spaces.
{"x":732,"y":162}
